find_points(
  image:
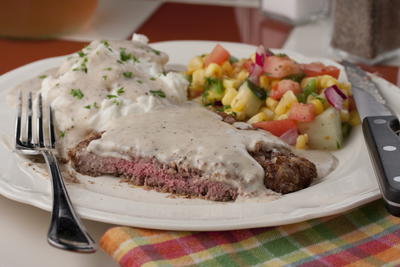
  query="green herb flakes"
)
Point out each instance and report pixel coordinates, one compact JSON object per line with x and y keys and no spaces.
{"x":120,"y":91}
{"x":81,"y":54}
{"x":127,"y":74}
{"x":62,"y":134}
{"x":111,"y":96}
{"x":42,"y":77}
{"x":77,"y":93}
{"x":152,"y":78}
{"x":158,"y":93}
{"x":104,"y":77}
{"x":155,"y":51}
{"x":88,"y":107}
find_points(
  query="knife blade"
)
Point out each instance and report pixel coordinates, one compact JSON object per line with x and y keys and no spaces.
{"x":380,"y":127}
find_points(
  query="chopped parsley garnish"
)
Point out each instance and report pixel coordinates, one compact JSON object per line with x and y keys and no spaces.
{"x":116,"y":102}
{"x":139,"y":81}
{"x":124,"y":56}
{"x":233,"y":59}
{"x":213,"y":87}
{"x":95,"y":105}
{"x":226,"y":107}
{"x":62,"y":133}
{"x":82,"y":67}
{"x":155,"y":51}
{"x":88,"y":107}
{"x":42,"y":76}
{"x":106,"y":44}
{"x":158,"y":93}
{"x":120,"y":91}
{"x":152,"y":78}
{"x":309,"y":89}
{"x":109,"y":68}
{"x":104,"y":77}
{"x":111,"y":96}
{"x":77,"y":93}
{"x":81,"y":54}
{"x":127,"y":74}
{"x":281,"y":55}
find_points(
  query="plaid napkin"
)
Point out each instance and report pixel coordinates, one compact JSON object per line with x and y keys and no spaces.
{"x":366,"y":236}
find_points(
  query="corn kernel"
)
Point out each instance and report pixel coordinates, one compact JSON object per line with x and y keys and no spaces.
{"x":285,"y":103}
{"x":198,"y":79}
{"x":271,"y":103}
{"x":230,"y":94}
{"x":281,"y":117}
{"x":269,"y":113}
{"x":230,"y":83}
{"x":213,"y":70}
{"x":242,"y":75}
{"x":195,"y":64}
{"x":305,"y":81}
{"x":354,"y":119}
{"x":346,"y":88}
{"x":301,"y":141}
{"x":238,"y":104}
{"x":318,"y":106}
{"x":264,"y":82}
{"x":325,"y":81}
{"x":257,"y":118}
{"x":227,"y":68}
{"x":344,"y":115}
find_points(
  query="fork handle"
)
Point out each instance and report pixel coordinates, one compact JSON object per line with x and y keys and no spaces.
{"x":66,"y":230}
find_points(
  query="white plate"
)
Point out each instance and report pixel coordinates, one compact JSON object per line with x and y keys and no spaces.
{"x":105,"y":199}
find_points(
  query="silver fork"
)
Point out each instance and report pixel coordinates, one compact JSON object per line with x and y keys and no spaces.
{"x":66,"y":230}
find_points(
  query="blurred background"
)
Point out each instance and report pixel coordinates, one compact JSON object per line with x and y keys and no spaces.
{"x":360,"y":30}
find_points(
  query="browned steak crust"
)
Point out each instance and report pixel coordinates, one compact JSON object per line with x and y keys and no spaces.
{"x":284,"y":173}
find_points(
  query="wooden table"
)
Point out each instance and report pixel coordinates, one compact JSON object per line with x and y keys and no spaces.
{"x":23,"y":228}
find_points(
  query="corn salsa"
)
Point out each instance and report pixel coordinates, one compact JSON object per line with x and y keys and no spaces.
{"x":303,"y":104}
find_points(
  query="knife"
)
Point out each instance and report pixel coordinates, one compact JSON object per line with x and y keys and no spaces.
{"x":380,"y":127}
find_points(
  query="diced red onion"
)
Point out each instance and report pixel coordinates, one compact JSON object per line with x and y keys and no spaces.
{"x":335,"y":96}
{"x":260,"y":55}
{"x":255,"y":73}
{"x":290,"y":136}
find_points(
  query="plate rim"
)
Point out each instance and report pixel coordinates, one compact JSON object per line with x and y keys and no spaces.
{"x":168,"y":224}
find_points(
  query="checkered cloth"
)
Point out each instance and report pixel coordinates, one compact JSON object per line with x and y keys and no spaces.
{"x":366,"y":236}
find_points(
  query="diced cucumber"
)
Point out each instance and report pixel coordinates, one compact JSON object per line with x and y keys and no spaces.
{"x":246,"y":101}
{"x":325,"y":131}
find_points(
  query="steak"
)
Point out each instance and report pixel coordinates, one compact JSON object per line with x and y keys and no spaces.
{"x":284,"y":173}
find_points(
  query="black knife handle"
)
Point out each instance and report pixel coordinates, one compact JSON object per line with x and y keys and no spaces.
{"x":384,"y":148}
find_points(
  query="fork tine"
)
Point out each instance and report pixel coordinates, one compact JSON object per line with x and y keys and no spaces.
{"x":40,"y":132}
{"x":29,"y":127}
{"x":18,"y":122}
{"x":51,"y":129}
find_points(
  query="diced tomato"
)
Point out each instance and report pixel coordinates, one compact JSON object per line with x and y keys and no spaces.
{"x":280,"y":67}
{"x":277,"y":127}
{"x":280,"y":88}
{"x":302,"y":112}
{"x":317,"y":68}
{"x":218,"y":55}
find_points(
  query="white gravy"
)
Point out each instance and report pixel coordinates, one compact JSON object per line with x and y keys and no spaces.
{"x":119,"y":87}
